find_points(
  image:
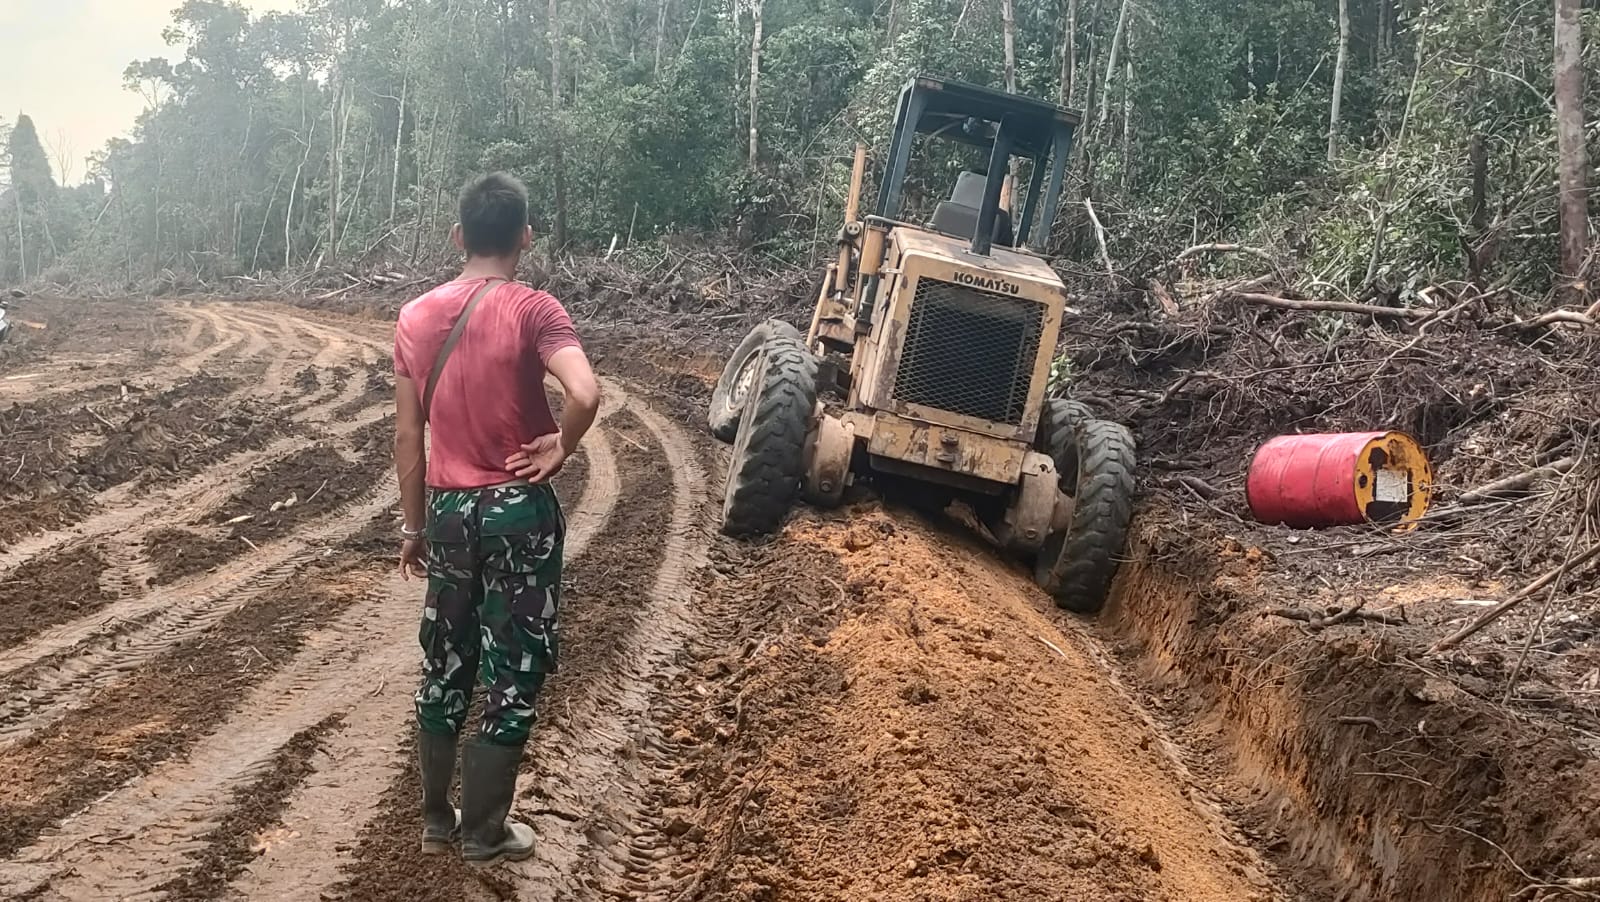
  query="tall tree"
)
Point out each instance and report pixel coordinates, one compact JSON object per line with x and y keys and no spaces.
{"x":30,"y":165}
{"x":755,"y":81}
{"x":32,"y":189}
{"x":1113,"y":60}
{"x":558,"y":227}
{"x":1572,"y":155}
{"x":1069,"y":54}
{"x":1338,"y":79}
{"x":1008,"y":26}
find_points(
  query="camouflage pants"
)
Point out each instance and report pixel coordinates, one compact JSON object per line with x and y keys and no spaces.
{"x":494,"y":589}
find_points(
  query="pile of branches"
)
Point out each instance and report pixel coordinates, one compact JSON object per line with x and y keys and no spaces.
{"x":695,"y":283}
{"x":1507,"y":404}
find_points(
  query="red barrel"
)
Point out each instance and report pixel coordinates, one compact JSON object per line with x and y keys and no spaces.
{"x":1339,"y":479}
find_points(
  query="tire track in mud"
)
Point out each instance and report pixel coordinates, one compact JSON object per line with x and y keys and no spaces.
{"x":44,"y":679}
{"x":344,"y":794}
{"x":143,"y":833}
{"x":126,"y":505}
{"x":590,"y":759}
{"x":162,"y":821}
{"x":129,"y":509}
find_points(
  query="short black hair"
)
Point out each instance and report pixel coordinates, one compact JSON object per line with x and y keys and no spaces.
{"x":493,"y":211}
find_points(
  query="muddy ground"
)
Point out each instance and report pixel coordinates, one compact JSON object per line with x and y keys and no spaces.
{"x":202,"y":697}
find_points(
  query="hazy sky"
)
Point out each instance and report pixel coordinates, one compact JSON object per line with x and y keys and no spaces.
{"x":61,"y":62}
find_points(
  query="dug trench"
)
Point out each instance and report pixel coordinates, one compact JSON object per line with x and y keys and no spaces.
{"x":1347,"y":752}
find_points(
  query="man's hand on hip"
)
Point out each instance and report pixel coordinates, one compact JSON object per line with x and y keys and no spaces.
{"x":539,"y":459}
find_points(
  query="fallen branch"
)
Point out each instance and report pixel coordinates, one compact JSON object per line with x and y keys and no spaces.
{"x":1053,"y":647}
{"x":1267,"y":300}
{"x":103,"y":421}
{"x":1496,"y":490}
{"x":1100,"y":237}
{"x":1559,"y":316}
{"x":1566,"y":884}
{"x":1315,"y":621}
{"x":335,"y":293}
{"x":1204,"y":490}
{"x":1523,"y":594}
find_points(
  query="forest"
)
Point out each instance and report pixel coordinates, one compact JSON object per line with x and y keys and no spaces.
{"x":1371,"y":149}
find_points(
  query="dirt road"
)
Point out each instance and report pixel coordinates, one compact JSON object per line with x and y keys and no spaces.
{"x":205,"y":662}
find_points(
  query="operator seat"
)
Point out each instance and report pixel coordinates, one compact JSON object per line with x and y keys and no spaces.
{"x":958,"y":216}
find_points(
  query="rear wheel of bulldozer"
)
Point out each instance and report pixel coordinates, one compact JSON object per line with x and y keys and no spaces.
{"x":1094,"y":461}
{"x":769,"y":449}
{"x":727,"y":399}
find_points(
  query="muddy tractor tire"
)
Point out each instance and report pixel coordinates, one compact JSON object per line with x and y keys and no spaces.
{"x":1094,"y":462}
{"x":727,"y":399}
{"x":769,"y":449}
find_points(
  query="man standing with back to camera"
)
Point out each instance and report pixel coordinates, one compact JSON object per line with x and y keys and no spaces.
{"x":482,"y":523}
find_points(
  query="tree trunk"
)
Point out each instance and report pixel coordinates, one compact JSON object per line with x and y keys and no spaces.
{"x":1069,"y":54}
{"x":399,"y":130}
{"x":1112,"y":59}
{"x":424,"y":166}
{"x":22,"y":242}
{"x":294,"y":188}
{"x":1338,"y":79}
{"x":1127,"y":123}
{"x":755,"y":81}
{"x":339,"y":118}
{"x":1080,"y":144}
{"x":1572,"y":157}
{"x":1386,"y":191}
{"x":1008,"y":24}
{"x":661,"y":33}
{"x":1385,"y":31}
{"x":558,"y":224}
{"x":1478,"y":156}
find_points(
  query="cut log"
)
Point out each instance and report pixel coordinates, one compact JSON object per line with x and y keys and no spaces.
{"x":1267,"y":300}
{"x":1518,"y":482}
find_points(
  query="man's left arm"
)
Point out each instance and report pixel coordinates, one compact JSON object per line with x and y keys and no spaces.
{"x":544,"y":457}
{"x":556,"y":342}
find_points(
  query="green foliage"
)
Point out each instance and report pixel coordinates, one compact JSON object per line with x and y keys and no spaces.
{"x":340,"y":130}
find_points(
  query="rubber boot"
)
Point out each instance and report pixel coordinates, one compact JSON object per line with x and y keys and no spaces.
{"x":441,"y":822}
{"x":488,"y":782}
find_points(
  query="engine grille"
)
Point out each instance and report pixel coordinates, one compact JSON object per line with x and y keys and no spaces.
{"x":969,"y":351}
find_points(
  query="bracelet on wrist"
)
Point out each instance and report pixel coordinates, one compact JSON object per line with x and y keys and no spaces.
{"x":408,"y":533}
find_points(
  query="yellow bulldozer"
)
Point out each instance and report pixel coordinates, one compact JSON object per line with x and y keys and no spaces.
{"x":935,"y":342}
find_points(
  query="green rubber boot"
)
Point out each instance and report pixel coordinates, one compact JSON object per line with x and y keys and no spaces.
{"x":441,"y":822}
{"x":488,"y":782}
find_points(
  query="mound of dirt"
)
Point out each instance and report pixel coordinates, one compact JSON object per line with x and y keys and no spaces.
{"x":924,"y":731}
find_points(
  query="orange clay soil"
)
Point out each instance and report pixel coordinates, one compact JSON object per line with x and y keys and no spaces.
{"x":952,"y":739}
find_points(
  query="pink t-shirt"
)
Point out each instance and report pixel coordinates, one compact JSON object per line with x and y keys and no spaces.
{"x":490,"y":398}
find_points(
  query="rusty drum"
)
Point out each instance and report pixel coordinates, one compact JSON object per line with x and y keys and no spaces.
{"x":1339,"y":479}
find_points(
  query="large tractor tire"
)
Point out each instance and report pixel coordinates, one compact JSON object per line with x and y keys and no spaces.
{"x":727,"y":399}
{"x":769,"y":450}
{"x":1094,"y":462}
